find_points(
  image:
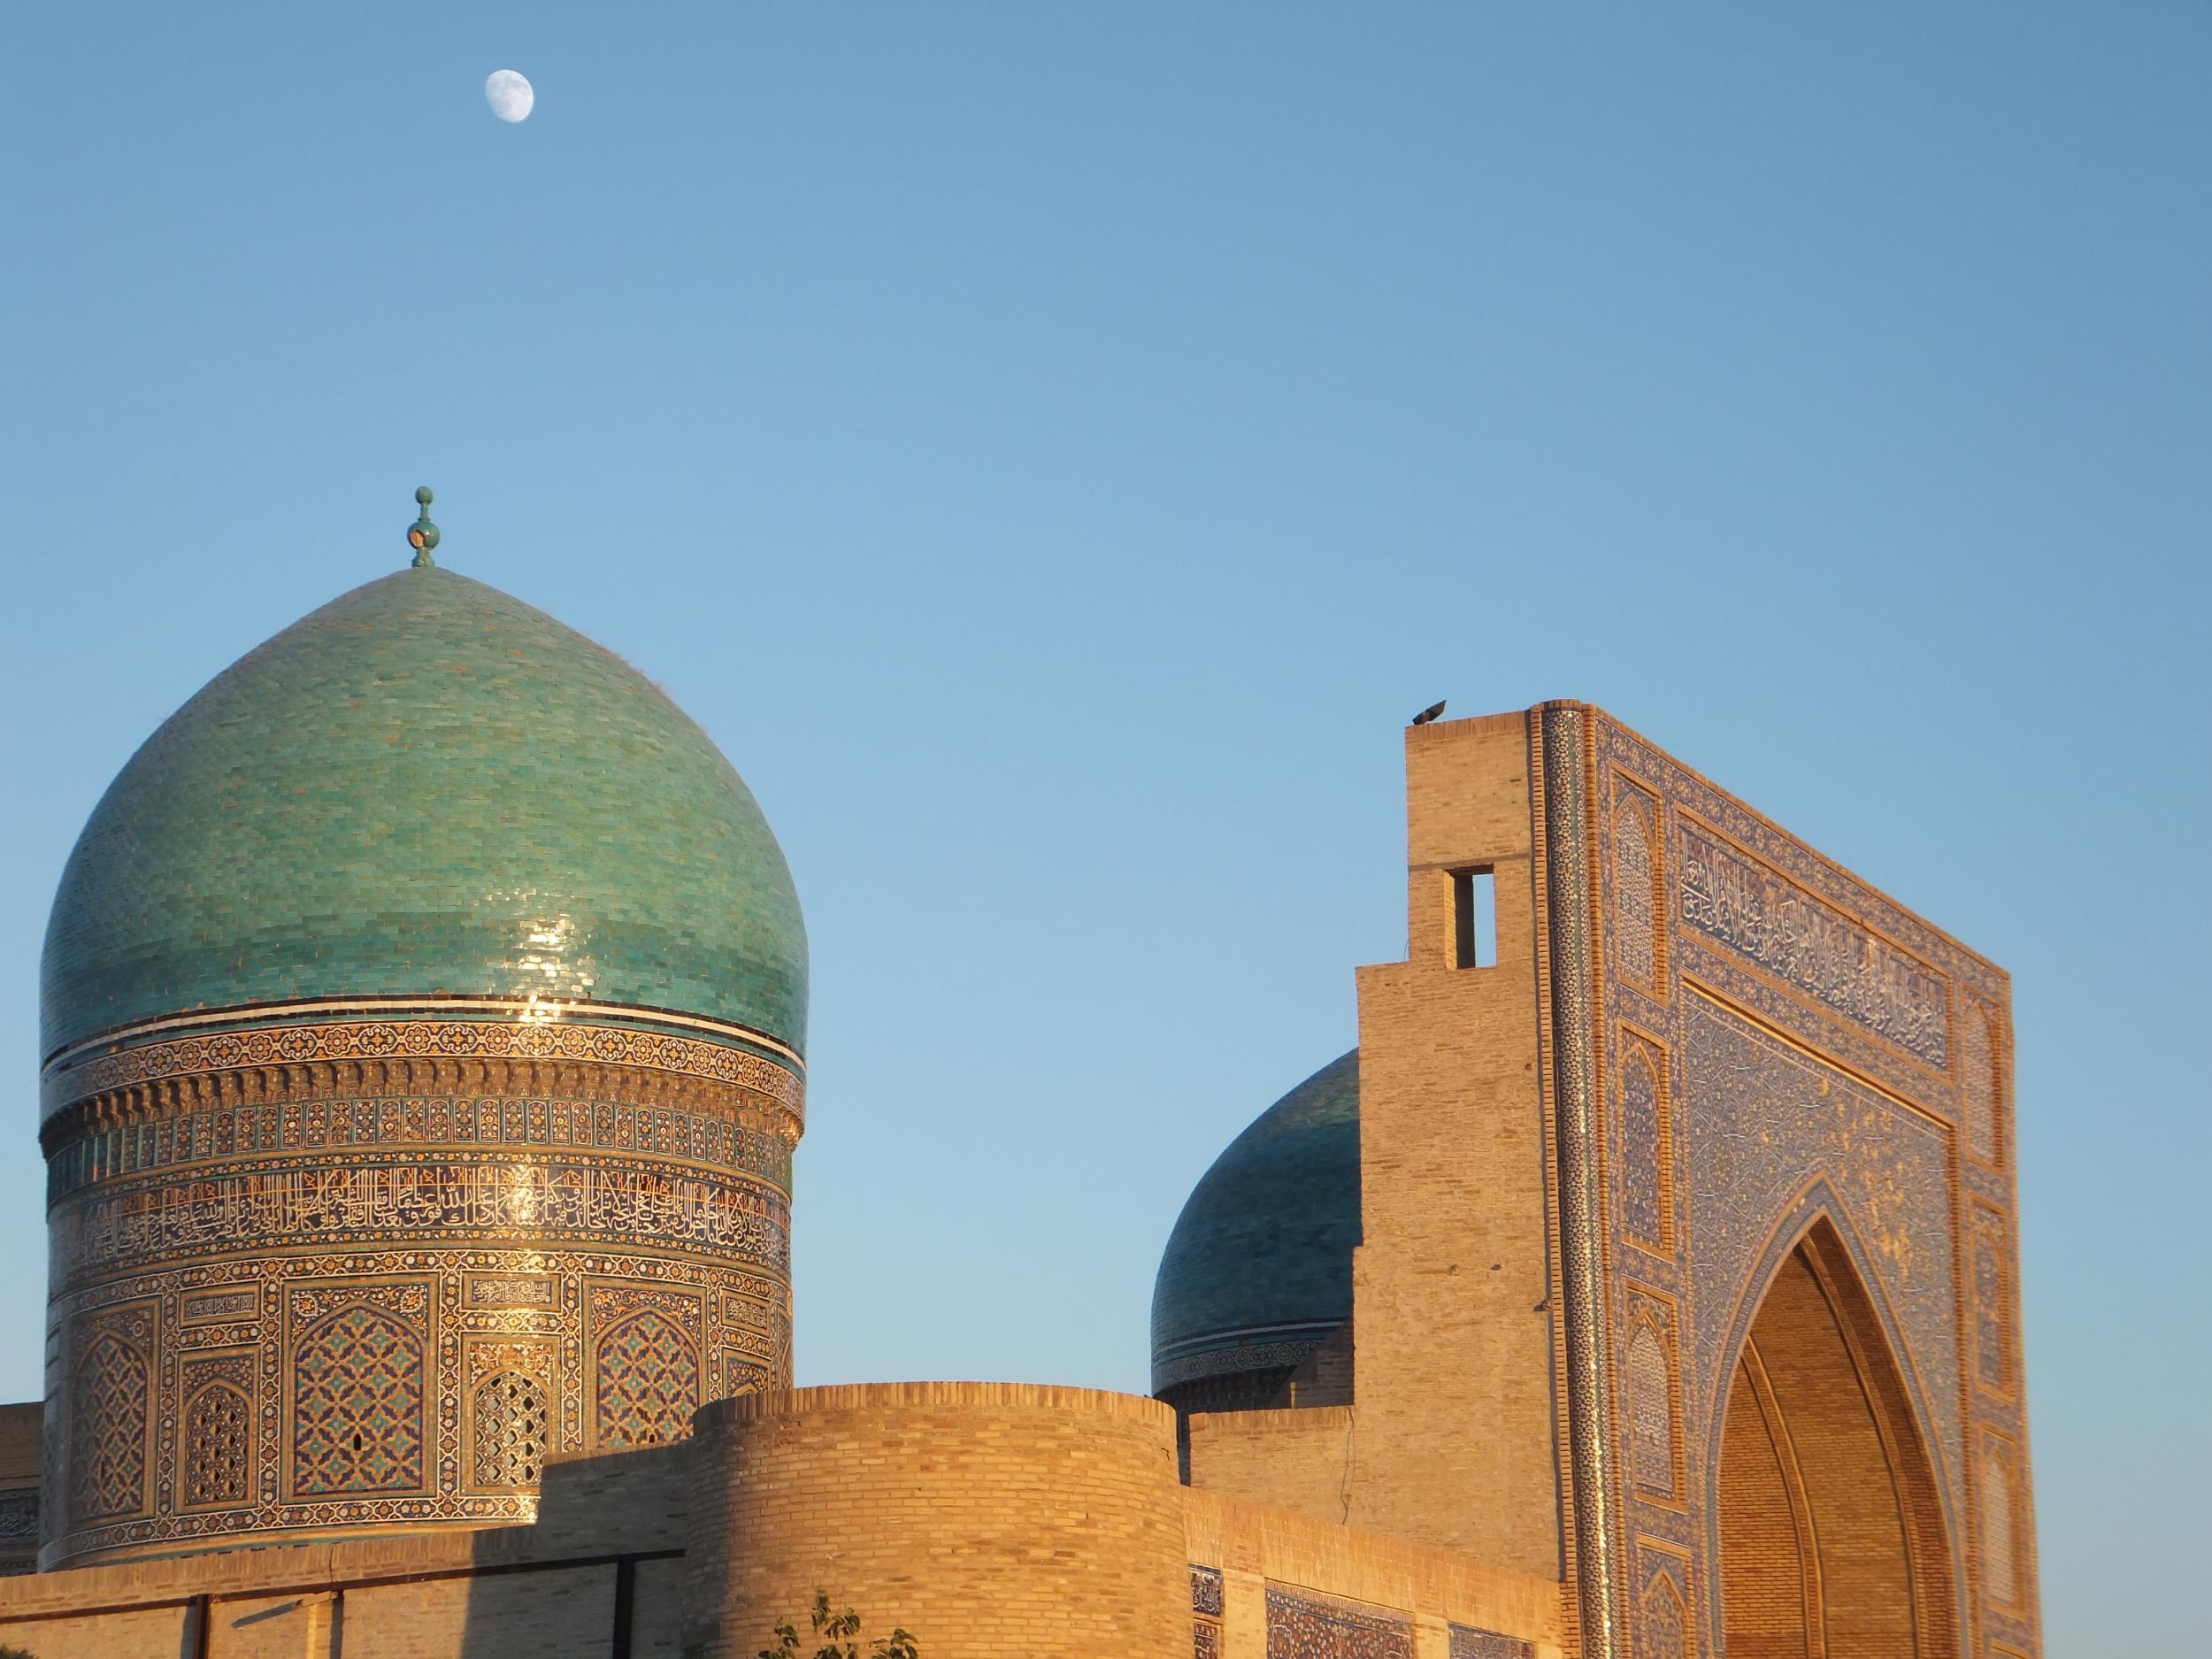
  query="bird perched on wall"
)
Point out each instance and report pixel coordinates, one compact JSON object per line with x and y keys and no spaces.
{"x":1428,"y":714}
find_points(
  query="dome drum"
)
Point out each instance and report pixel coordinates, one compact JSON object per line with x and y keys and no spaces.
{"x":1252,"y":1309}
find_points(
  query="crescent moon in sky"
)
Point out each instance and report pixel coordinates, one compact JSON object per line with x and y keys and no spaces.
{"x":509,"y":93}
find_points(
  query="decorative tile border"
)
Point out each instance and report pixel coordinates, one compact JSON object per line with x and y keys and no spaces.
{"x":1305,"y":1624}
{"x":1744,"y":905}
{"x":68,"y":1081}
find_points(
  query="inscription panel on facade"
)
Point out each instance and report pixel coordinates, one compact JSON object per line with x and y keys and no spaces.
{"x":1751,"y":910}
{"x":108,"y":1228}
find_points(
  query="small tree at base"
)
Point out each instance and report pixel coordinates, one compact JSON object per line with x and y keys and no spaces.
{"x":836,"y":1636}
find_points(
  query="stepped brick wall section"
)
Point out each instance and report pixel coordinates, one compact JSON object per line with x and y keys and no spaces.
{"x":990,"y":1518}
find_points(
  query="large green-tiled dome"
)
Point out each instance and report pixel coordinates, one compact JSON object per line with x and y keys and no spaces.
{"x":1259,"y":1266}
{"x":426,"y":788}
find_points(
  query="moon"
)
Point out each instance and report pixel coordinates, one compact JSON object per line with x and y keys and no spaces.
{"x":509,"y":93}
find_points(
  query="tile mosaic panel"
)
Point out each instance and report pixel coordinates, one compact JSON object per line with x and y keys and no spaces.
{"x":1664,"y":1621}
{"x":512,"y":1416}
{"x":1991,"y":1249}
{"x":358,"y":1396}
{"x":1638,"y":913}
{"x":645,"y":1365}
{"x":110,"y":1419}
{"x":1653,"y":1434}
{"x":1205,"y":1590}
{"x":1979,"y":1093}
{"x":1743,"y":904}
{"x":218,"y":1462}
{"x":1999,"y":1512}
{"x":1205,"y":1604}
{"x":1467,"y":1642}
{"x":211,"y":1306}
{"x":1763,"y":1120}
{"x":1646,"y":1153}
{"x":19,"y":1518}
{"x":1305,"y":1624}
{"x":338,"y":1198}
{"x":19,"y":1532}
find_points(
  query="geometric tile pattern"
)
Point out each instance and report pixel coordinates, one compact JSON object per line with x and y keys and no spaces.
{"x":2000,"y":1503}
{"x":1635,"y":885}
{"x":1781,"y":1115}
{"x":217,"y":1431}
{"x":513,"y":1422}
{"x":1993,"y":1313}
{"x":1651,"y":1437}
{"x":1302,"y":1625}
{"x":357,"y":1405}
{"x":1665,"y":1621}
{"x":1977,"y":1079}
{"x":1644,"y":1158}
{"x":648,"y":1381}
{"x":108,"y":1423}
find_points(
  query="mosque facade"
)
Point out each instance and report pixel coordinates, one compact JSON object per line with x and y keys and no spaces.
{"x":424,"y":1023}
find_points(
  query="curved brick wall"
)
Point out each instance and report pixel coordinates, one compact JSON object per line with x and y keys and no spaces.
{"x":988,"y":1518}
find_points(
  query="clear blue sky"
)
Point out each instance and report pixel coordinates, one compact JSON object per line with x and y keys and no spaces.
{"x":1053,"y":448}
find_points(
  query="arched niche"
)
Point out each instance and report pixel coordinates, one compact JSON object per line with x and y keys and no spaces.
{"x":1832,"y":1540}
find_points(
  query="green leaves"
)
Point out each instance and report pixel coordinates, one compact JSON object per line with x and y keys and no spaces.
{"x":836,"y":1635}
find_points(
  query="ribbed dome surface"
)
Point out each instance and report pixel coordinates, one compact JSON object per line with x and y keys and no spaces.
{"x":429,"y":789}
{"x":1262,"y":1253}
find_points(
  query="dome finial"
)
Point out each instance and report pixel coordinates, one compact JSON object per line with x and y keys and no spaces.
{"x":422,"y":536}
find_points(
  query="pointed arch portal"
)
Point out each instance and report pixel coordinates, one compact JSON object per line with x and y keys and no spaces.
{"x":1832,"y":1532}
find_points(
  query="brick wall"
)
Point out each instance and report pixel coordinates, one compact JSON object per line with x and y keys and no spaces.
{"x":989,"y":1519}
{"x":493,"y":1595}
{"x":1455,"y":1440}
{"x":1296,"y":1460}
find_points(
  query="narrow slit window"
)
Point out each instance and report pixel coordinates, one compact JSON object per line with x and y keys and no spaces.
{"x":1475,"y":917}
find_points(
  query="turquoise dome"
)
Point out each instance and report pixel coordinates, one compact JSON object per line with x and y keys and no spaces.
{"x":1260,"y":1259}
{"x":426,"y":789}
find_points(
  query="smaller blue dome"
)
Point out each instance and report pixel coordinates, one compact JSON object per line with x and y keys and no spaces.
{"x":1259,"y":1267}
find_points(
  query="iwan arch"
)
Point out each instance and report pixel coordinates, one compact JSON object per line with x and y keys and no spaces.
{"x":419,"y":1099}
